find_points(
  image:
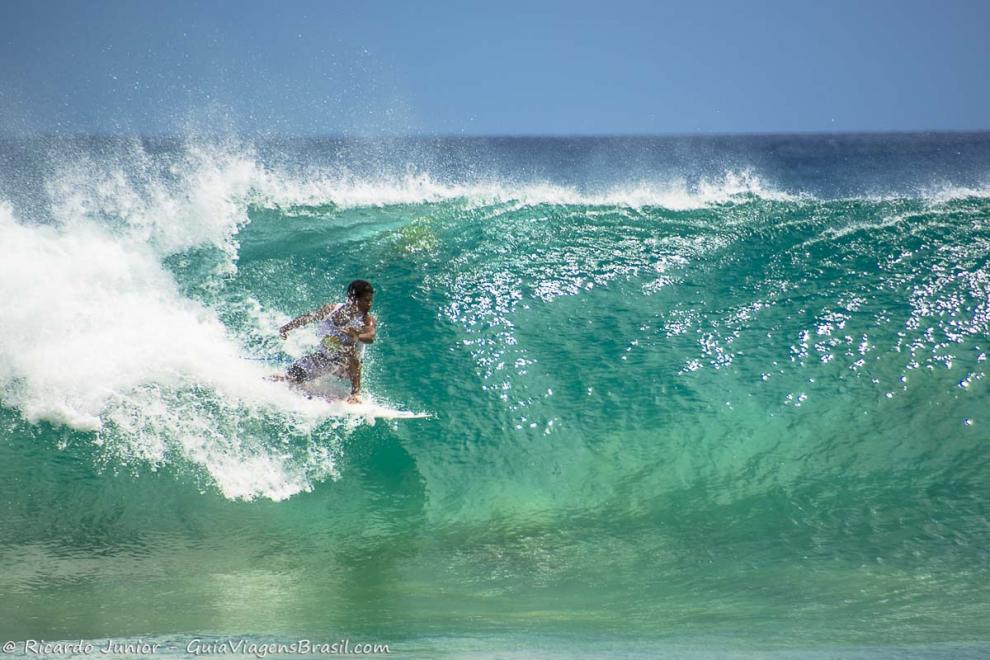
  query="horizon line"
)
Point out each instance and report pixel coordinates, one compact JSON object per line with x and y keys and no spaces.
{"x":489,"y":136}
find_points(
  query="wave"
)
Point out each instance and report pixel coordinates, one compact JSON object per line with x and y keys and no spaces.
{"x":100,"y":336}
{"x":627,"y":380}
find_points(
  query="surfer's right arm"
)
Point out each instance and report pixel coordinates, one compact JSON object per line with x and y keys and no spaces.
{"x":308,"y":317}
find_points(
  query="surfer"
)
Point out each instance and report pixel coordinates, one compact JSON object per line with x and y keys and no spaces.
{"x":344,"y":331}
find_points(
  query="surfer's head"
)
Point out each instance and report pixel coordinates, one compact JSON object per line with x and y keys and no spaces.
{"x":361,"y":293}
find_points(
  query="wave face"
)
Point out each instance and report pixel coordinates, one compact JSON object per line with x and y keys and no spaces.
{"x":706,"y":390}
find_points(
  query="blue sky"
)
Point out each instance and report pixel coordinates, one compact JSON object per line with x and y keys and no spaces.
{"x":493,"y":68}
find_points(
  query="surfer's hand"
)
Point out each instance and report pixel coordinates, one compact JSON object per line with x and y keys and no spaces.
{"x":283,"y":334}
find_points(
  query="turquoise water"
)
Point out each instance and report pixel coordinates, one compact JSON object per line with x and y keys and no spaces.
{"x":720,"y":409}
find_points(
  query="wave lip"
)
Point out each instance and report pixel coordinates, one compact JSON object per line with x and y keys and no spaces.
{"x":950,"y":193}
{"x":351,"y":192}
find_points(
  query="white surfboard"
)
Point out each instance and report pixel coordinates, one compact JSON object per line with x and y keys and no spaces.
{"x":372,"y":410}
{"x":335,"y":392}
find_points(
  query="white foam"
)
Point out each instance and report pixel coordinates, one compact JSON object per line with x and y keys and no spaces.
{"x":94,"y":330}
{"x":200,"y":200}
{"x":348,"y":191}
{"x":949,"y":193}
{"x":933,"y":194}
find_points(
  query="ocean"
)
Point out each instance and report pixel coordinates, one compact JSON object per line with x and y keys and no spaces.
{"x":689,"y":396}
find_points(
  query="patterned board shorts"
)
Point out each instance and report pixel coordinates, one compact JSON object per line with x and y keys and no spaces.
{"x":317,"y":365}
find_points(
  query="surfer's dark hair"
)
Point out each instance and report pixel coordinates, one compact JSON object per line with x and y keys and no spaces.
{"x":358,"y":288}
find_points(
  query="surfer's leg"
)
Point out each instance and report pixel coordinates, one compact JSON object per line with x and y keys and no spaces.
{"x":347,"y":365}
{"x":354,"y":373}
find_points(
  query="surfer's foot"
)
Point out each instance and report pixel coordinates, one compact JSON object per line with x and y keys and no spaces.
{"x":354,"y":398}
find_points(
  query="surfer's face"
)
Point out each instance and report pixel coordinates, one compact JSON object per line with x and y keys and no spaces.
{"x":364,"y":302}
